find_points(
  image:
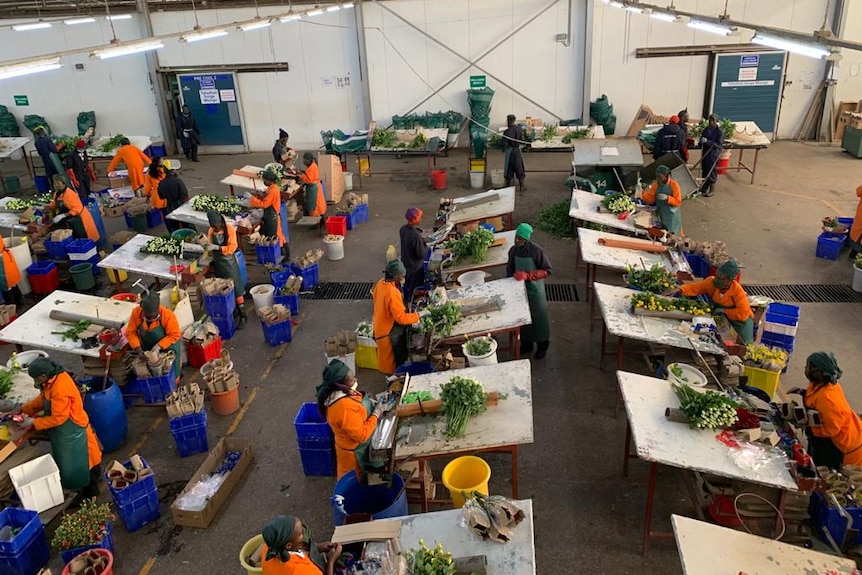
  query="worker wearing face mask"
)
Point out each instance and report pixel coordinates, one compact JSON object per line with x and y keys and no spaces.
{"x":391,"y":318}
{"x":289,"y":550}
{"x":726,"y":295}
{"x":153,"y":327}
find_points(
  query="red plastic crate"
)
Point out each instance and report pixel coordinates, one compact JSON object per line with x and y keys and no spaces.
{"x":45,"y":283}
{"x":198,"y":355}
{"x":336,"y":225}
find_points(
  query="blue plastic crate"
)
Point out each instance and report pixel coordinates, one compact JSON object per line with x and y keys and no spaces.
{"x":190,"y":433}
{"x":279,"y":278}
{"x":310,"y":424}
{"x":31,"y":555}
{"x":154,"y":218}
{"x":291,"y":301}
{"x":40,"y":268}
{"x":318,"y":462}
{"x":243,"y":272}
{"x":128,"y":219}
{"x":351,"y":219}
{"x":783,"y":313}
{"x":29,"y":526}
{"x":829,"y":246}
{"x":824,"y":516}
{"x":778,"y":338}
{"x":268,"y":254}
{"x":226,"y":326}
{"x":138,"y":512}
{"x":277,"y":333}
{"x":846,"y":221}
{"x":154,"y":389}
{"x":316,"y":443}
{"x":57,"y":250}
{"x":788,"y":347}
{"x":107,"y":542}
{"x":699,"y":265}
{"x":220,"y":305}
{"x":361,"y":213}
{"x":310,"y":275}
{"x":134,"y":491}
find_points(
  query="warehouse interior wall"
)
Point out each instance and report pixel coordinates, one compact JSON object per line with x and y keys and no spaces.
{"x":849,"y":71}
{"x":405,"y":66}
{"x":668,"y":85}
{"x":118,"y":90}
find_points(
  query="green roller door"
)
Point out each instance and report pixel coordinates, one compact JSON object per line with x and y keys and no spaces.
{"x":747,"y":87}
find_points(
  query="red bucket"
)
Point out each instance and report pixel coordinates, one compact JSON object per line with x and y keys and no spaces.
{"x":438,"y":179}
{"x":108,"y":569}
{"x":343,"y":166}
{"x":722,"y":165}
{"x":129,"y":297}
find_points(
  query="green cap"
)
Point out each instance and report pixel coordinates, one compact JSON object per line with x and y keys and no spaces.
{"x":524,"y":230}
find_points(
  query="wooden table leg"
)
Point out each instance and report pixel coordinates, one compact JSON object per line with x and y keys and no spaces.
{"x":620,"y":352}
{"x":28,"y":163}
{"x":628,"y":449}
{"x":230,"y":186}
{"x":514,"y":452}
{"x":618,"y":391}
{"x":423,"y":498}
{"x":653,"y":472}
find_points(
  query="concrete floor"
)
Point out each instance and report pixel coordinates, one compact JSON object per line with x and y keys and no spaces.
{"x":585,"y":512}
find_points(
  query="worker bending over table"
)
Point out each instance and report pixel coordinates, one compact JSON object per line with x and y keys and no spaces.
{"x":69,"y":207}
{"x":289,"y":550}
{"x":155,"y":174}
{"x":665,"y":194}
{"x":153,"y":327}
{"x":172,"y":193}
{"x":270,"y":200}
{"x":528,"y":263}
{"x":390,"y":319}
{"x":135,"y":161}
{"x":223,"y":246}
{"x":726,"y":295}
{"x":59,"y":410}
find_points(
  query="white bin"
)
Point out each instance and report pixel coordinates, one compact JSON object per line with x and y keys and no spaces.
{"x":497,"y":179}
{"x":263,"y":295}
{"x":37,"y":483}
{"x":334,"y":248}
{"x":489,"y":358}
{"x":857,"y":278}
{"x":477,"y":179}
{"x":348,"y":181}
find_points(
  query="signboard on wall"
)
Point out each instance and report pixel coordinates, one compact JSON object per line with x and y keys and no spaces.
{"x":477,"y":81}
{"x":21,"y":100}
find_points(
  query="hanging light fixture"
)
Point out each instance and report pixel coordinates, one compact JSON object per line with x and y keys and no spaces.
{"x":32,"y":26}
{"x":335,"y":8}
{"x":317,"y":12}
{"x":75,"y":21}
{"x":120,"y":17}
{"x":126,"y":49}
{"x":634,"y":9}
{"x":290,"y":18}
{"x":713,"y":28}
{"x":198,"y":36}
{"x":663,"y":17}
{"x":257,"y":25}
{"x":810,"y":50}
{"x":348,"y":5}
{"x":34,"y":67}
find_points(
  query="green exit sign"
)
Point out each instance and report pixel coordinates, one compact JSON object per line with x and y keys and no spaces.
{"x":24,"y":100}
{"x":477,"y":81}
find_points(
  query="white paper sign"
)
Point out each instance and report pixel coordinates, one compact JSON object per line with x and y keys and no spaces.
{"x":748,"y":83}
{"x":747,"y":74}
{"x":209,"y":96}
{"x":227,"y":95}
{"x":609,"y":151}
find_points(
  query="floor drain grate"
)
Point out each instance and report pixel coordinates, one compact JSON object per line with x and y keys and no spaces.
{"x":557,"y":292}
{"x":561,"y":292}
{"x":806,"y":293}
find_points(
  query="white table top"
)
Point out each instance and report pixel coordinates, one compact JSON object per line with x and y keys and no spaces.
{"x":677,"y":444}
{"x":706,"y":549}
{"x":500,"y":207}
{"x":748,"y":135}
{"x":615,"y":303}
{"x":185,"y":213}
{"x":584,"y":206}
{"x":34,"y":327}
{"x":9,"y":220}
{"x":496,"y":256}
{"x":510,"y":422}
{"x":254,"y":183}
{"x":514,"y":312}
{"x":592,"y":252}
{"x":94,"y":151}
{"x":9,"y":146}
{"x":130,"y":258}
{"x":517,"y":557}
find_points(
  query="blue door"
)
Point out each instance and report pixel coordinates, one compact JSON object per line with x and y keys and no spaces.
{"x":214,"y":102}
{"x":747,"y":87}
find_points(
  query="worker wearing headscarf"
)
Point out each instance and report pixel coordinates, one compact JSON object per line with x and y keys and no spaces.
{"x":282,"y":153}
{"x":351,"y":414}
{"x":69,"y":207}
{"x":289,"y":550}
{"x":79,"y":169}
{"x":270,"y":201}
{"x":414,"y":252}
{"x":135,"y":161}
{"x":223,"y":246}
{"x":172,"y":192}
{"x":315,"y":202}
{"x":528,"y":263}
{"x":712,"y":145}
{"x":513,"y":159}
{"x":391,"y":318}
{"x":152,"y":326}
{"x":59,"y":410}
{"x":686,"y":141}
{"x":665,"y":194}
{"x":10,"y":276}
{"x":838,"y":440}
{"x":669,"y":139}
{"x":155,"y":174}
{"x":856,"y":229}
{"x":727,"y":295}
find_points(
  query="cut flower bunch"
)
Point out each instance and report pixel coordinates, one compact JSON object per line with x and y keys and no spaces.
{"x":710,"y":410}
{"x":656,"y":279}
{"x":85,"y":526}
{"x":765,"y":357}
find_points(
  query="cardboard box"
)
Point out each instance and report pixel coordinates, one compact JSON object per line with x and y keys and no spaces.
{"x":118,"y":182}
{"x":497,"y":222}
{"x":331,"y":176}
{"x":202,"y":519}
{"x":386,"y":531}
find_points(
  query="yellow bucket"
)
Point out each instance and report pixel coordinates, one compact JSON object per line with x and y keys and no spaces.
{"x":366,"y":357}
{"x":464,"y":475}
{"x":112,"y":275}
{"x":363,"y":166}
{"x":250,"y":546}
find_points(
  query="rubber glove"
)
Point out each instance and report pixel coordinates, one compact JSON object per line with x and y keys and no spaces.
{"x":26,"y":422}
{"x":537,"y":275}
{"x":424,"y":313}
{"x":156,"y":347}
{"x":703,"y":141}
{"x":520,"y":276}
{"x":58,"y":219}
{"x":662,"y":197}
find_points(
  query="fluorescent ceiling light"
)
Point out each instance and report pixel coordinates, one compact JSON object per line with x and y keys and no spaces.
{"x":634,"y":9}
{"x":708,"y":27}
{"x":198,"y":36}
{"x":33,"y":67}
{"x":75,"y":21}
{"x":616,"y":4}
{"x":125,"y":50}
{"x":663,"y":17}
{"x":256,"y":25}
{"x":120,"y":17}
{"x":349,"y":5}
{"x":315,"y":13}
{"x":810,"y":50}
{"x":335,"y":8}
{"x":291,"y":18}
{"x":33,"y":26}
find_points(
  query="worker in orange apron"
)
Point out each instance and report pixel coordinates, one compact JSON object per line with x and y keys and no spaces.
{"x":391,"y":318}
{"x":10,"y":278}
{"x":76,"y":216}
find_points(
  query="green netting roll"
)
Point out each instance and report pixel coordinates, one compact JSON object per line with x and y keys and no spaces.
{"x":86,"y":120}
{"x":33,"y":121}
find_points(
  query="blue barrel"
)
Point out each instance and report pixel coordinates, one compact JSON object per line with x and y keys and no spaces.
{"x":43,"y":184}
{"x":414,"y":368}
{"x":107,"y":412}
{"x":243,"y":275}
{"x":93,"y":206}
{"x":363,"y":503}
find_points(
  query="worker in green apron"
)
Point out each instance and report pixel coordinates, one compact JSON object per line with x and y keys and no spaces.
{"x":270,"y":201}
{"x":288,"y":548}
{"x":665,"y":194}
{"x":59,"y":410}
{"x":223,"y":246}
{"x":153,"y":326}
{"x":528,"y":263}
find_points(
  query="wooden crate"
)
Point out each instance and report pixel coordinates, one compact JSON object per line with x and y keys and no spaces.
{"x":331,"y":176}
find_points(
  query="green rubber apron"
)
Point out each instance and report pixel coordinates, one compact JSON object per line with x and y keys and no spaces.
{"x":669,"y":215}
{"x":744,"y":329}
{"x":507,"y":155}
{"x":69,"y":449}
{"x":151,"y":337}
{"x":226,"y":267}
{"x":540,"y":330}
{"x":311,"y":191}
{"x":398,"y":338}
{"x":269,"y":223}
{"x":75,"y":223}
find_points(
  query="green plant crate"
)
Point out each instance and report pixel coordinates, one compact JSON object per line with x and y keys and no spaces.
{"x":852,"y":141}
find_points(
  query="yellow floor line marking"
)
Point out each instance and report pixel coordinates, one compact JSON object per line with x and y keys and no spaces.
{"x":147,"y":434}
{"x":251,"y":397}
{"x":148,"y":566}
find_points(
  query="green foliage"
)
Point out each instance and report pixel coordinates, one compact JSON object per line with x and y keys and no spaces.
{"x":656,"y":279}
{"x":709,"y":410}
{"x":441,"y":319}
{"x":463,"y":397}
{"x":384,"y":138}
{"x":112,"y":144}
{"x":555,"y":220}
{"x":473,"y":244}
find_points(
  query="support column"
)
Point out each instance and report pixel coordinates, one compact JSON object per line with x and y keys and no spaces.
{"x":839,"y":24}
{"x":161,"y":98}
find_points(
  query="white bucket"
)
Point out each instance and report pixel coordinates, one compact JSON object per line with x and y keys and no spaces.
{"x":263,"y":295}
{"x":497,"y":179}
{"x":334,"y":248}
{"x":471,"y":278}
{"x":477,"y":179}
{"x":489,"y":358}
{"x":857,"y":278}
{"x":348,"y":181}
{"x":452,"y":140}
